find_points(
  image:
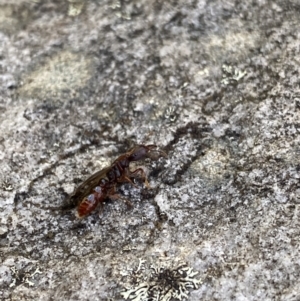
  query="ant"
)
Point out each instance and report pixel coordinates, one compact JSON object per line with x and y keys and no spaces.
{"x":103,"y":183}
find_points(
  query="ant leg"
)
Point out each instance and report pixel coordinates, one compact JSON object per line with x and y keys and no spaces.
{"x":113,"y":195}
{"x":127,"y":202}
{"x":129,"y":181}
{"x":100,"y":208}
{"x":143,"y":176}
{"x":125,"y":178}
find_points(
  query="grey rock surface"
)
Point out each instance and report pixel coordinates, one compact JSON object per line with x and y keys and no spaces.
{"x":213,"y":83}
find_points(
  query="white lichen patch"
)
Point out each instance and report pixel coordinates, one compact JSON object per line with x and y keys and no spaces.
{"x":163,"y":282}
{"x":23,"y":272}
{"x":231,"y":75}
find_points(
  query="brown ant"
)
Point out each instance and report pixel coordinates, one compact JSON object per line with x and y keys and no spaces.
{"x":103,"y":183}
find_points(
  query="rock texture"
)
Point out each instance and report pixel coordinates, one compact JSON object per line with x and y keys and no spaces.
{"x":213,"y":83}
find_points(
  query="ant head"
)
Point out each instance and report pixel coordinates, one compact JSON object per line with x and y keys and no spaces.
{"x":141,"y":152}
{"x":138,"y":153}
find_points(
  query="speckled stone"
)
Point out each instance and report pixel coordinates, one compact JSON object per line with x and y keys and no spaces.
{"x":213,"y":83}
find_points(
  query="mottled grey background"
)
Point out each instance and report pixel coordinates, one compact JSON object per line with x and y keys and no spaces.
{"x":213,"y":83}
